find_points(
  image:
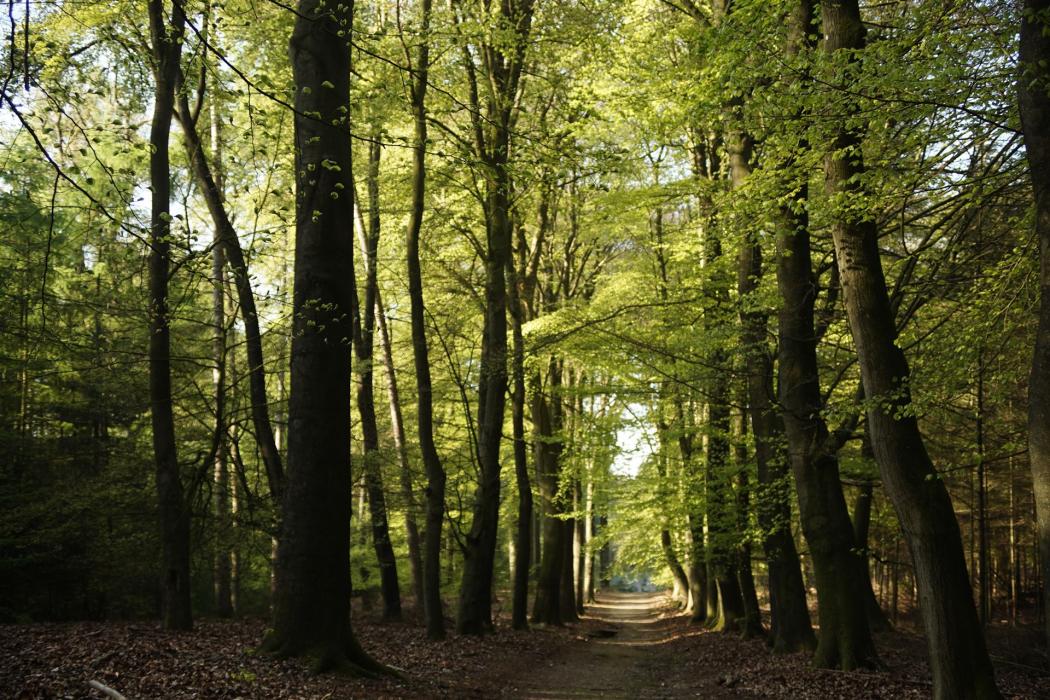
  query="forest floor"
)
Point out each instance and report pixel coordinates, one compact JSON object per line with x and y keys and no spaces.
{"x":627,"y":646}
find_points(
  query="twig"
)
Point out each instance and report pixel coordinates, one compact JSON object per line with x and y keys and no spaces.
{"x":106,"y":690}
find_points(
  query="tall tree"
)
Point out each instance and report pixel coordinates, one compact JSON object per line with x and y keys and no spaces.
{"x":845,"y":638}
{"x":364,"y":321}
{"x":520,"y":280}
{"x":166,"y":35}
{"x":1033,"y":87}
{"x":790,"y":628}
{"x":958,"y":657}
{"x":435,"y":494}
{"x":311,"y":607}
{"x":502,"y":60}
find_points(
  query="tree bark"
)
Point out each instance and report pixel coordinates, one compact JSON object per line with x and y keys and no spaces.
{"x":752,"y":623}
{"x":166,"y":40}
{"x":313,"y":585}
{"x":1032,"y":86}
{"x":397,"y":427}
{"x":958,"y":657}
{"x":861,"y":525}
{"x":221,"y":497}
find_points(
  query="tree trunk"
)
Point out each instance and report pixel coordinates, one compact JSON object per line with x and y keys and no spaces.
{"x":845,"y":638}
{"x":790,"y":628}
{"x":166,"y":41}
{"x":958,"y":658}
{"x":588,"y":554}
{"x":313,"y":587}
{"x":221,"y":494}
{"x":695,"y":497}
{"x":503,"y":64}
{"x":861,"y":525}
{"x":547,"y":422}
{"x":397,"y":426}
{"x":727,"y":604}
{"x":209,"y":180}
{"x":435,"y":493}
{"x":579,"y":548}
{"x":1035,"y":121}
{"x":567,"y":590}
{"x":364,"y":346}
{"x":666,"y":543}
{"x":523,"y":534}
{"x":752,"y":622}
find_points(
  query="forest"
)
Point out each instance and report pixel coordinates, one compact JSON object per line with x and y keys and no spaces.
{"x":525,"y":348}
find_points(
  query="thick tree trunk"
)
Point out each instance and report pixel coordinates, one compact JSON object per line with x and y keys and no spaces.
{"x":845,"y":638}
{"x":364,"y":347}
{"x":958,"y":657}
{"x":475,"y":599}
{"x":1033,"y":84}
{"x":166,"y":38}
{"x":312,"y":596}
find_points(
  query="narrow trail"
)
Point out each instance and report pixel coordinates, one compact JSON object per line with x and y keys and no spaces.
{"x":624,"y":651}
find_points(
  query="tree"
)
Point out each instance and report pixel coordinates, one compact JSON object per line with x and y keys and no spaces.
{"x":958,"y":658}
{"x":166,"y":40}
{"x":502,"y":64}
{"x":1032,"y":86}
{"x":364,"y":322}
{"x":435,"y":493}
{"x":312,"y":593}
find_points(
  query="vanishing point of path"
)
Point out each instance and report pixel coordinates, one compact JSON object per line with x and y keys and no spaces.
{"x":625,"y":650}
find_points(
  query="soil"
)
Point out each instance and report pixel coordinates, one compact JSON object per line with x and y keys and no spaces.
{"x":628,"y":645}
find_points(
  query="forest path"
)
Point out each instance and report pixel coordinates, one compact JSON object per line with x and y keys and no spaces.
{"x":624,"y":650}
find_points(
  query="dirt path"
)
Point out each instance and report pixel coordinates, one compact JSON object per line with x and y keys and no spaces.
{"x":623,"y":651}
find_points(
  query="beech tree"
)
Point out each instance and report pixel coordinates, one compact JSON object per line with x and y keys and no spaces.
{"x":312,"y":593}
